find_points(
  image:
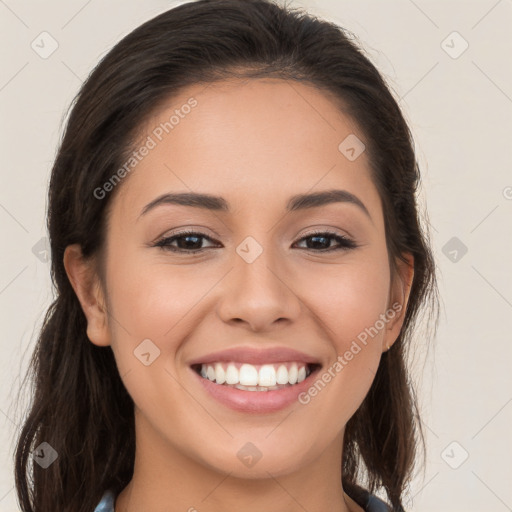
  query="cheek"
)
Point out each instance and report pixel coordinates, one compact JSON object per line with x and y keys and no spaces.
{"x":150,"y":302}
{"x":350,"y":297}
{"x":351,"y":302}
{"x":157,"y":301}
{"x":148,"y":297}
{"x":350,"y":307}
{"x":146,"y":301}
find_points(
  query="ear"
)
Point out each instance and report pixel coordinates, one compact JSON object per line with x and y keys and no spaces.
{"x":85,"y":281}
{"x":398,"y":300}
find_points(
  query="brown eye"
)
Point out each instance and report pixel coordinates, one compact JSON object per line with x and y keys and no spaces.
{"x":186,"y":241}
{"x":320,"y":242}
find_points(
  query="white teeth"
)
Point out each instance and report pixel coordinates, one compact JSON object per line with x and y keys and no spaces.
{"x":210,"y":373}
{"x":220,"y":374}
{"x":248,"y":375}
{"x":255,"y":377}
{"x":282,"y":375}
{"x":267,"y":376}
{"x":232,"y":374}
{"x":292,"y":374}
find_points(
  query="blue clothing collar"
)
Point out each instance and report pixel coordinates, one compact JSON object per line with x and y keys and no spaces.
{"x":372,"y":503}
{"x":107,"y":502}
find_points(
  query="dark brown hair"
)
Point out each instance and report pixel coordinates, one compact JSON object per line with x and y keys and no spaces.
{"x":79,"y":404}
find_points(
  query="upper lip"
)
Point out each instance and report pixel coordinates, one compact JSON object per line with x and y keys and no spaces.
{"x":256,"y":356}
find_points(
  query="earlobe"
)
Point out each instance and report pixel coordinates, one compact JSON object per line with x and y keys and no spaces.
{"x":398,"y":300}
{"x":87,"y":286}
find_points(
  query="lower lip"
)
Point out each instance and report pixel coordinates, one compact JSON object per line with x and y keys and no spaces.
{"x":255,"y":401}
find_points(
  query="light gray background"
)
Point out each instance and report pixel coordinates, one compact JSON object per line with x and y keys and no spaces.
{"x":460,"y":112}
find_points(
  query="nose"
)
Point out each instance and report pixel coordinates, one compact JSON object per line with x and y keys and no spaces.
{"x":258,"y":294}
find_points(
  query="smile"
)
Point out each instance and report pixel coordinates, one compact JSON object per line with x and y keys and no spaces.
{"x":255,"y":377}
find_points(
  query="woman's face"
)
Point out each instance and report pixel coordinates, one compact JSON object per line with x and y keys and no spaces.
{"x":263,"y":302}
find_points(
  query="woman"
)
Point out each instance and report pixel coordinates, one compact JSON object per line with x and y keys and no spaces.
{"x":239,"y":265}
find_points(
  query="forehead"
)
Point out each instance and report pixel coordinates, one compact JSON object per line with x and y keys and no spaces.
{"x":252,"y":141}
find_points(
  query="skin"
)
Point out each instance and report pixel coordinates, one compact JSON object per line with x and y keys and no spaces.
{"x":255,"y":143}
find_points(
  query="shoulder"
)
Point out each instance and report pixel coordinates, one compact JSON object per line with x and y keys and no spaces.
{"x":107,"y":502}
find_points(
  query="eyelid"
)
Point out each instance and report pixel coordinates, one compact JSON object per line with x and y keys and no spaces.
{"x":331,"y":230}
{"x":194,"y":229}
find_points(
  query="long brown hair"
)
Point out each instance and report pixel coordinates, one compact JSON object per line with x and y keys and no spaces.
{"x":80,"y":406}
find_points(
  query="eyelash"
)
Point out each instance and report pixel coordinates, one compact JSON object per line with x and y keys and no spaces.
{"x":345,"y":243}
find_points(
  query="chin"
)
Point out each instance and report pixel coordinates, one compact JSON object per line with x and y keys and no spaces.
{"x":249,"y":462}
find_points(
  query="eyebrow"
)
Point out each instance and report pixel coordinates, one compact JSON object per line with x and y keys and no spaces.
{"x":297,"y":202}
